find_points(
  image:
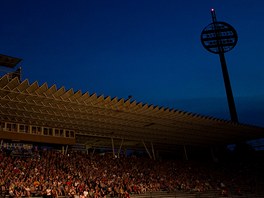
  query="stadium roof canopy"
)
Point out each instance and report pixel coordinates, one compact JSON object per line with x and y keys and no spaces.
{"x":97,"y":119}
{"x":9,"y":61}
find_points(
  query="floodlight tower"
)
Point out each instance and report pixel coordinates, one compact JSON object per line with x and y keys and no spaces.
{"x":218,"y":38}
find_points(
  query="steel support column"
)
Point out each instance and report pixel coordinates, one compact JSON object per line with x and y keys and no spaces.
{"x":185,"y":152}
{"x":118,"y":154}
{"x":147,"y":149}
{"x":153,"y":152}
{"x":62,"y":150}
{"x":113,"y":147}
{"x":66,"y":150}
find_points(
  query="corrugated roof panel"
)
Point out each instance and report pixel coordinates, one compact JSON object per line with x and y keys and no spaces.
{"x":32,"y":88}
{"x":99,"y":101}
{"x":127,"y":103}
{"x":113,"y":103}
{"x":84,"y":97}
{"x":91,"y":100}
{"x":107,"y":102}
{"x":114,"y":100}
{"x":3,"y":81}
{"x":137,"y":107}
{"x":21,"y":87}
{"x":151,"y":107}
{"x":132,"y":106}
{"x":65,"y":96}
{"x":107,"y":99}
{"x":156,"y":109}
{"x":120,"y":103}
{"x":11,"y":95}
{"x":75,"y":96}
{"x":49,"y":93}
{"x":59,"y":93}
{"x":12,"y":84}
{"x":42,"y":89}
{"x":150,"y":110}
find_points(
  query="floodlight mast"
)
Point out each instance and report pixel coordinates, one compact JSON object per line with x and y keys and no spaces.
{"x":218,"y":38}
{"x":229,"y":94}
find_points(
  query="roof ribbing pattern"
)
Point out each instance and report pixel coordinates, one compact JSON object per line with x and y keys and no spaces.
{"x":98,"y":116}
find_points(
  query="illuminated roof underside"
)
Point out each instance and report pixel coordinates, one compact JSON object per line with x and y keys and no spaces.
{"x":97,"y":119}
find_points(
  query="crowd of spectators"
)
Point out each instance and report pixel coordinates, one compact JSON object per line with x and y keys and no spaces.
{"x":80,"y":175}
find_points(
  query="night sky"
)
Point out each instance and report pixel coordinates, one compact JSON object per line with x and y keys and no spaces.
{"x":149,"y":49}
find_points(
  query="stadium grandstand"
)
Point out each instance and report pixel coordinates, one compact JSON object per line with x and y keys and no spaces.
{"x":65,"y":143}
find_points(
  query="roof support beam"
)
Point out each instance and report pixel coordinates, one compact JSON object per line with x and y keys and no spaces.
{"x":147,"y":149}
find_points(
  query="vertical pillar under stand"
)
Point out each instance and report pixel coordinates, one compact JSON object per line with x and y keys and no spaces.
{"x":125,"y":152}
{"x":62,"y":150}
{"x":66,"y":150}
{"x":113,"y":147}
{"x":215,"y":159}
{"x":153,"y":152}
{"x":185,"y":152}
{"x":119,"y":151}
{"x":93,"y":152}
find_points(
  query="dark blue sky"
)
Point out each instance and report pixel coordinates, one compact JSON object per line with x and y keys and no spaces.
{"x":149,"y":49}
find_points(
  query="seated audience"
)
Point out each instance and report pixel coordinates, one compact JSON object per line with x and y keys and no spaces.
{"x":78,"y":175}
